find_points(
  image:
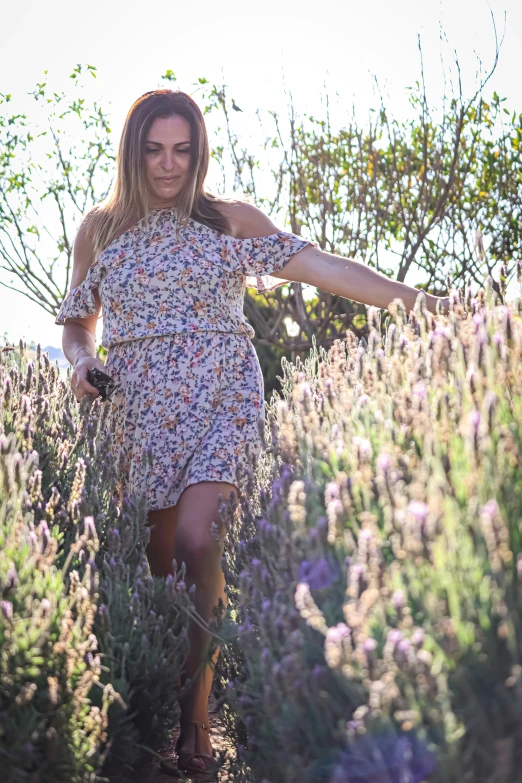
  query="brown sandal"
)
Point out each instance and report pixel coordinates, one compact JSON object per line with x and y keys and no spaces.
{"x":186,"y":758}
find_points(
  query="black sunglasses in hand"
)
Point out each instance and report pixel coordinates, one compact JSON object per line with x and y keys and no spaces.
{"x":101,"y":381}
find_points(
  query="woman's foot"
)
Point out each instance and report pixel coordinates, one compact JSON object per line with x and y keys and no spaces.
{"x":194,"y":749}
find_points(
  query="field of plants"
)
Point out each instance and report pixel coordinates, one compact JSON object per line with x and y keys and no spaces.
{"x":373,"y":632}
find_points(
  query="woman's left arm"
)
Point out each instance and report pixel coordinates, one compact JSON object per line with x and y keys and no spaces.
{"x":336,"y":274}
{"x":353,"y":280}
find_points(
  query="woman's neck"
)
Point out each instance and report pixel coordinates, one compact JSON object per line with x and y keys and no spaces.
{"x":162,"y":204}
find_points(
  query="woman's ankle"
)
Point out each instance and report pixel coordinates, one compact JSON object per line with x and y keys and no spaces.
{"x":196,"y":717}
{"x":191,"y":711}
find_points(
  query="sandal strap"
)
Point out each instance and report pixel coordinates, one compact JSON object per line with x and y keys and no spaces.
{"x":188,"y":754}
{"x":206,"y":757}
{"x":198,"y":725}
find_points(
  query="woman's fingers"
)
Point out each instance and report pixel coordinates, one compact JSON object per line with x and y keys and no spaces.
{"x":84,"y":387}
{"x":79,"y":383}
{"x":81,"y":386}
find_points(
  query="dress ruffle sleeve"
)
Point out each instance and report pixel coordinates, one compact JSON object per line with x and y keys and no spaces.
{"x":257,"y":258}
{"x":80,"y":301}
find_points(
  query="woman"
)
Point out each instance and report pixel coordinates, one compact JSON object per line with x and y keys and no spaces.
{"x":169,"y":263}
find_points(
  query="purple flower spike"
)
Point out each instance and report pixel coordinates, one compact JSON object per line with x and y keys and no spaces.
{"x":420,"y":389}
{"x":419,"y":510}
{"x":363,"y":400}
{"x":390,"y":757}
{"x":318,"y":574}
{"x":12,"y":576}
{"x":370,"y":645}
{"x":394,"y":636}
{"x":491,"y":508}
{"x":363,"y":446}
{"x":332,"y":490}
{"x":404,"y":646}
{"x":384,"y":462}
{"x":417,"y":637}
{"x":89,"y":528}
{"x":318,"y":675}
{"x":474,"y":417}
{"x":337,"y":633}
{"x":399,"y":599}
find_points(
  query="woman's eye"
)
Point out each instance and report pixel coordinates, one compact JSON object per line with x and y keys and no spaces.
{"x":151,"y":151}
{"x":184,"y":152}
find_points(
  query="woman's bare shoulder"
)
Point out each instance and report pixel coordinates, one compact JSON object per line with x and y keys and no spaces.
{"x":83,"y":251}
{"x":246,"y":220}
{"x":88,"y":224}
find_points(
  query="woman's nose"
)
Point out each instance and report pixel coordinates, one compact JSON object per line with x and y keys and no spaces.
{"x":167,"y":160}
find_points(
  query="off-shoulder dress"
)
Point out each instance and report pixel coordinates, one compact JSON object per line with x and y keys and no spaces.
{"x":189,"y":402}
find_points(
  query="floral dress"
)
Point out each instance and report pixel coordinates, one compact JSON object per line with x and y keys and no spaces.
{"x":189,"y":402}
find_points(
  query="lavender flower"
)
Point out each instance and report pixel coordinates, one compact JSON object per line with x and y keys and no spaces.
{"x":420,"y":390}
{"x":376,"y":758}
{"x":399,"y":599}
{"x":417,"y":637}
{"x":320,"y":573}
{"x":89,"y":527}
{"x":419,"y":510}
{"x":394,"y":637}
{"x":384,"y":462}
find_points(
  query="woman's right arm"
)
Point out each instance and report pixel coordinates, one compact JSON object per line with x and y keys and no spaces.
{"x":78,"y":337}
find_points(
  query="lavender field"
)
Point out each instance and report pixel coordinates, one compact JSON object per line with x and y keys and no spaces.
{"x":373,"y":631}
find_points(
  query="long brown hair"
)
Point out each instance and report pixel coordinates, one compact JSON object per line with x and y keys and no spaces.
{"x":127,"y":203}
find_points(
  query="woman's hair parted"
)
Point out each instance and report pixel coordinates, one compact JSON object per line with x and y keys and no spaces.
{"x":128,"y":200}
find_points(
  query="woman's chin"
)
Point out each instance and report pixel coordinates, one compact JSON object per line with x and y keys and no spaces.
{"x":164,"y":197}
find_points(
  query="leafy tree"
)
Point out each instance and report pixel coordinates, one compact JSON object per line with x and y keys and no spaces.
{"x":416,"y":196}
{"x":407,"y":198}
{"x":56,"y":160}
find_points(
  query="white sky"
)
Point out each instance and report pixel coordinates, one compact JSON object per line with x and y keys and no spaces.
{"x":337,"y":41}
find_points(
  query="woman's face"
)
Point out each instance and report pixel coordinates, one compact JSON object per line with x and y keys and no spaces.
{"x":167,"y":159}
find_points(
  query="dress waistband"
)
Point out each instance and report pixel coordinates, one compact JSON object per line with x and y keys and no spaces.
{"x":166,"y":335}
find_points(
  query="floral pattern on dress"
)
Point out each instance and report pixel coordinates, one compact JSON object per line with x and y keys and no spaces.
{"x":187,"y":408}
{"x":189,"y":400}
{"x":162,"y":278}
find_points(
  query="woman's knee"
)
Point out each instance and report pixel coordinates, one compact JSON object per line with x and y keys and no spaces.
{"x":200,"y":529}
{"x":199,"y":550}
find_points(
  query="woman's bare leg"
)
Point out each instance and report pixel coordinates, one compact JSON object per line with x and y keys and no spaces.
{"x":198,"y":508}
{"x":184,"y":532}
{"x":160,"y":549}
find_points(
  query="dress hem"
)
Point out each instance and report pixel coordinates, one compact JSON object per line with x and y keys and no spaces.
{"x":191,"y":483}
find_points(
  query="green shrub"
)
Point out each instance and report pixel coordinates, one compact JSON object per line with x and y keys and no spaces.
{"x":375,"y":613}
{"x":49,"y":656}
{"x":91,"y":645}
